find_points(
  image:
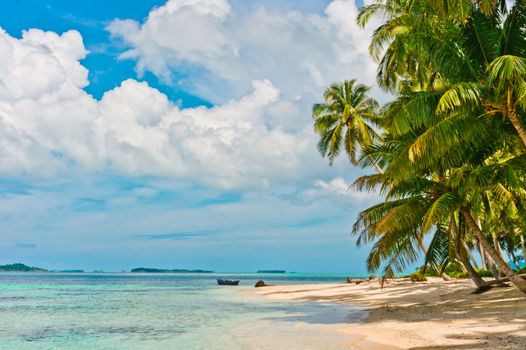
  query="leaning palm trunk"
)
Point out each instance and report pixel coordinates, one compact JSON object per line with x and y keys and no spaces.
{"x":497,"y":246}
{"x":491,"y":266}
{"x":518,"y":281}
{"x":515,"y":121}
{"x":470,"y":256}
{"x":514,"y":258}
{"x":482,"y":255}
{"x":379,"y":170}
{"x":523,"y":246}
{"x":376,"y":166}
{"x":462,"y":257}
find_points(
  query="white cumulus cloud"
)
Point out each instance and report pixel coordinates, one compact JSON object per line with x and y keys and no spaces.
{"x":340,"y":190}
{"x":50,"y":126}
{"x":263,"y":68}
{"x":229,"y":47}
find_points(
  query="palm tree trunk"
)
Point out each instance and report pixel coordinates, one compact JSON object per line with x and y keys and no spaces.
{"x":482,"y":256}
{"x":515,"y":121}
{"x":376,"y":166}
{"x":497,"y":246}
{"x":514,"y":258}
{"x":491,"y":266}
{"x":470,"y":256}
{"x":523,"y":246}
{"x":463,"y":258}
{"x":379,"y":170}
{"x":518,"y":281}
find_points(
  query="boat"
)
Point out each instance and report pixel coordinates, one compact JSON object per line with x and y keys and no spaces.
{"x":227,"y":282}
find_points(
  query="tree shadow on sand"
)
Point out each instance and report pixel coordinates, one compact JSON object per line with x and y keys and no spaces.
{"x":433,"y":302}
{"x":481,"y":340}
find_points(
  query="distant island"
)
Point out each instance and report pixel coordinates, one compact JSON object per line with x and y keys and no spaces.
{"x":72,"y":271}
{"x":149,"y":270}
{"x":18,"y":267}
{"x":271,"y":271}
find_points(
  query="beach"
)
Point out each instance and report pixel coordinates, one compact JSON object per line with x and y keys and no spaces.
{"x":427,"y":315}
{"x":300,"y":312}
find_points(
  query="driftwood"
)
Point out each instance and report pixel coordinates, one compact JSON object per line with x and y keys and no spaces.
{"x":489,"y":284}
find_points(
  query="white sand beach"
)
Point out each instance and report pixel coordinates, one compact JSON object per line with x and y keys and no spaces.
{"x":427,"y":315}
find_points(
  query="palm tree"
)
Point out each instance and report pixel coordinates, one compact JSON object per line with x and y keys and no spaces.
{"x":498,"y":48}
{"x":451,"y":160}
{"x":418,"y":206}
{"x":343,"y":121}
{"x":477,"y":61}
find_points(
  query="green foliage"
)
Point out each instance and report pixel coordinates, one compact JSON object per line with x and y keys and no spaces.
{"x":18,"y":267}
{"x":153,"y":270}
{"x":459,"y":275}
{"x":451,"y":161}
{"x":453,"y":268}
{"x":484,"y":273}
{"x":417,"y":277}
{"x":343,"y":120}
{"x":463,"y":274}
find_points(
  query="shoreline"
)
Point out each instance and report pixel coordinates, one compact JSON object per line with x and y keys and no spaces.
{"x":427,"y":315}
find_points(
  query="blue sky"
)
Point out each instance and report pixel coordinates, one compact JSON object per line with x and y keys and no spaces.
{"x":175,"y":134}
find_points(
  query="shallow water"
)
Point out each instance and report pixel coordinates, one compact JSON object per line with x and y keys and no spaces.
{"x":160,"y":311}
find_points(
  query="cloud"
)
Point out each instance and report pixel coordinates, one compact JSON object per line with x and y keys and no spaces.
{"x":279,"y":61}
{"x":165,"y":168}
{"x":49,"y":125}
{"x":227,"y":47}
{"x":41,"y":63}
{"x":341,"y":191}
{"x":170,"y":229}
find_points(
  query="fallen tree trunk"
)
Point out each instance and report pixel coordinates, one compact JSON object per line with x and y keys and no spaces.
{"x":489,"y":284}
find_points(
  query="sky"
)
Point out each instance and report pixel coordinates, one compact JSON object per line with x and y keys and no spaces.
{"x":176,"y":134}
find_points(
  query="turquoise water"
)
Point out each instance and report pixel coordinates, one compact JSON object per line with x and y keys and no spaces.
{"x":158,"y":311}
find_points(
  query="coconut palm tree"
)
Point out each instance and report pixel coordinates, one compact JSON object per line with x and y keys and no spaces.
{"x":479,"y":61}
{"x":451,"y":160}
{"x":344,"y":120}
{"x":399,"y":225}
{"x":419,"y":206}
{"x":498,"y":47}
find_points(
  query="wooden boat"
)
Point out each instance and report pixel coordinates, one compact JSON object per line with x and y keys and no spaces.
{"x":227,"y":282}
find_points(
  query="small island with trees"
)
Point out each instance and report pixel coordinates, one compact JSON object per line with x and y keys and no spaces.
{"x":272,"y":271}
{"x":18,"y":267}
{"x":150,"y":270}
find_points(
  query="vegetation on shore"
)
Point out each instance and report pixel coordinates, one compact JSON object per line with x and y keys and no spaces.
{"x":449,"y":149}
{"x":18,"y":267}
{"x":71,"y":271}
{"x":272,"y":271}
{"x":150,"y":270}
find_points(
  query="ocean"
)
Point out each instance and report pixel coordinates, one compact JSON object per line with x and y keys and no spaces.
{"x":161,"y":311}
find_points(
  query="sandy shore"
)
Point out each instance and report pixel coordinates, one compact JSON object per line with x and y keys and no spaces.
{"x":427,"y":315}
